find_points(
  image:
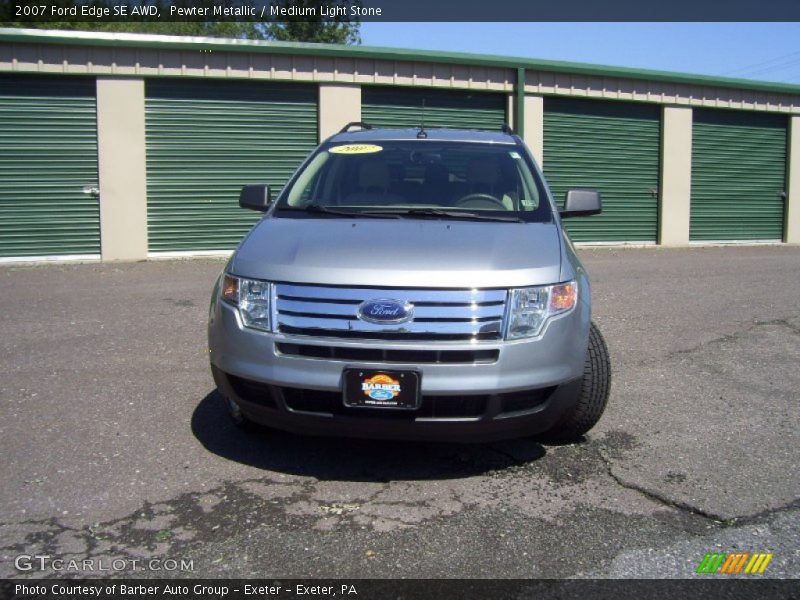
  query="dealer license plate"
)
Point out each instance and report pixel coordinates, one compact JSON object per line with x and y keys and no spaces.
{"x":365,"y":388}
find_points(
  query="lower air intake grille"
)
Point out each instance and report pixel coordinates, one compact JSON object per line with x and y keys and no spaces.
{"x":253,"y":391}
{"x":416,"y":357}
{"x":525,"y":400}
{"x":431,"y":407}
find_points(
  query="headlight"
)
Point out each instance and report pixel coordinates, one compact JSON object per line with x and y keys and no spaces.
{"x":532,"y":306}
{"x":252,"y":297}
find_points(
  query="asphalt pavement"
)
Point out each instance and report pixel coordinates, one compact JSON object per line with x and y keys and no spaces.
{"x":115,"y":446}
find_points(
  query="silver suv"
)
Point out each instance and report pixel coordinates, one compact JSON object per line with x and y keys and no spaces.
{"x":411,"y":284}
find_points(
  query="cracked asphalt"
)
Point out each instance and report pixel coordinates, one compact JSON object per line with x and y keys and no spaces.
{"x":115,"y":445}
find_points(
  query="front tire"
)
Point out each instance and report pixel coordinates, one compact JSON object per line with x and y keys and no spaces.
{"x":593,"y":396}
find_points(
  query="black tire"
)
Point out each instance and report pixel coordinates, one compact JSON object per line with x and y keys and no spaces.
{"x":593,"y":396}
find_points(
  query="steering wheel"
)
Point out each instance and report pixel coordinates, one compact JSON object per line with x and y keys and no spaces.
{"x":481,"y":201}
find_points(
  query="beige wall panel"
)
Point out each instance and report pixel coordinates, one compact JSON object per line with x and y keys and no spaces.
{"x":338,"y":106}
{"x":402,"y":71}
{"x":423,"y":72}
{"x":122,"y":168}
{"x":261,"y":66}
{"x":501,"y":78}
{"x":676,"y":176}
{"x":533,"y":127}
{"x":217,"y":62}
{"x":77,"y":58}
{"x":346,"y":67}
{"x":239,"y":65}
{"x":364,"y":67}
{"x":281,"y":66}
{"x":549,"y":79}
{"x":76,"y":68}
{"x":459,"y":73}
{"x":302,"y":64}
{"x":580,"y":82}
{"x":8,"y":56}
{"x":441,"y":75}
{"x":102,"y":60}
{"x":477,"y":74}
{"x":148,"y":63}
{"x":54,"y":68}
{"x":792,"y":226}
{"x":124,"y":61}
{"x":302,"y":68}
{"x":324,"y":69}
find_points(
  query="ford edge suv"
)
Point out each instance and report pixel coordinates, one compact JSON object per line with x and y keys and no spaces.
{"x":411,"y":284}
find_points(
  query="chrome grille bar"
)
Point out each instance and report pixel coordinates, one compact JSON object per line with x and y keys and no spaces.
{"x":463,"y":311}
{"x":417,"y":297}
{"x":438,"y":314}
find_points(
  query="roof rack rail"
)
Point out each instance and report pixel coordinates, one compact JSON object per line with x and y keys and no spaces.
{"x":360,"y":124}
{"x":506,"y":128}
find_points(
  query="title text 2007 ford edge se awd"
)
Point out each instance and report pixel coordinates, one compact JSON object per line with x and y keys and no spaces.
{"x":411,"y":284}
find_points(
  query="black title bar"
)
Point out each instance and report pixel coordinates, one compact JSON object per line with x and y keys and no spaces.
{"x":163,"y":11}
{"x":382,"y":589}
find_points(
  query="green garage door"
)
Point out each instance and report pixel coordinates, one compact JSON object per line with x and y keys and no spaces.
{"x":205,"y":140}
{"x":738,"y":175}
{"x":48,"y":153}
{"x":612,"y":147}
{"x":402,"y":107}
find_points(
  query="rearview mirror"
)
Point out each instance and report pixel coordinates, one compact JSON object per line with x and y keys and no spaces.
{"x":581,"y":203}
{"x":255,"y":197}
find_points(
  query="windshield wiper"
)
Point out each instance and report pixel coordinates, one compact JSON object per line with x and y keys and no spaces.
{"x":327,"y":210}
{"x":450,"y":214}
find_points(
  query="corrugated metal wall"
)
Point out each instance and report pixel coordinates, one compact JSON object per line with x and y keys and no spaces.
{"x":402,"y":107}
{"x":48,"y":142}
{"x":738,"y":175}
{"x":205,"y":139}
{"x":612,"y":147}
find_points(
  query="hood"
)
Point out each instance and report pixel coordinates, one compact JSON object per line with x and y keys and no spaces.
{"x":400,"y":252}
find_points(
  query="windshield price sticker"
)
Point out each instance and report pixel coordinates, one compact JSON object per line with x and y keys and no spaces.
{"x":356,"y":149}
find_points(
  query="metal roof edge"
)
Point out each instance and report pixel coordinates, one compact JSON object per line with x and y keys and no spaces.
{"x":137,"y":40}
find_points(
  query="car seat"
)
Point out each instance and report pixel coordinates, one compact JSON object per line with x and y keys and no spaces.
{"x":485,"y":176}
{"x":373,"y":186}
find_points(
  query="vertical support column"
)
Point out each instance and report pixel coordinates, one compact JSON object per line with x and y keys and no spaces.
{"x":338,"y":106}
{"x":791,"y":228}
{"x":676,"y":176}
{"x":534,"y":127}
{"x":519,"y":103}
{"x":122,"y":168}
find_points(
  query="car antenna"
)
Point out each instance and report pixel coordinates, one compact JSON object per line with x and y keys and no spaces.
{"x":422,"y":134}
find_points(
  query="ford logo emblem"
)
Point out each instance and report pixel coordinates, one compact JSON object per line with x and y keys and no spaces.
{"x":385,"y":311}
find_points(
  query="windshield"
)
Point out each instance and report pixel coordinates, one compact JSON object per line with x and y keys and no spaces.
{"x":417,"y":179}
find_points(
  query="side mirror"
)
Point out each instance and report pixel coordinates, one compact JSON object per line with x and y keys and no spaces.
{"x":255,"y":197}
{"x":581,"y":203}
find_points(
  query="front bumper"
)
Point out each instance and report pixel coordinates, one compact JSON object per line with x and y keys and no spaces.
{"x":524,"y":389}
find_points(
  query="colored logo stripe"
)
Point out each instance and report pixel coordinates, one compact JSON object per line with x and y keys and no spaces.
{"x":710,"y":563}
{"x":732,"y":564}
{"x":758,"y":564}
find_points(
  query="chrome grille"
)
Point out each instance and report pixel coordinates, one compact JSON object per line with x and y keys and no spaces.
{"x":438,"y":314}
